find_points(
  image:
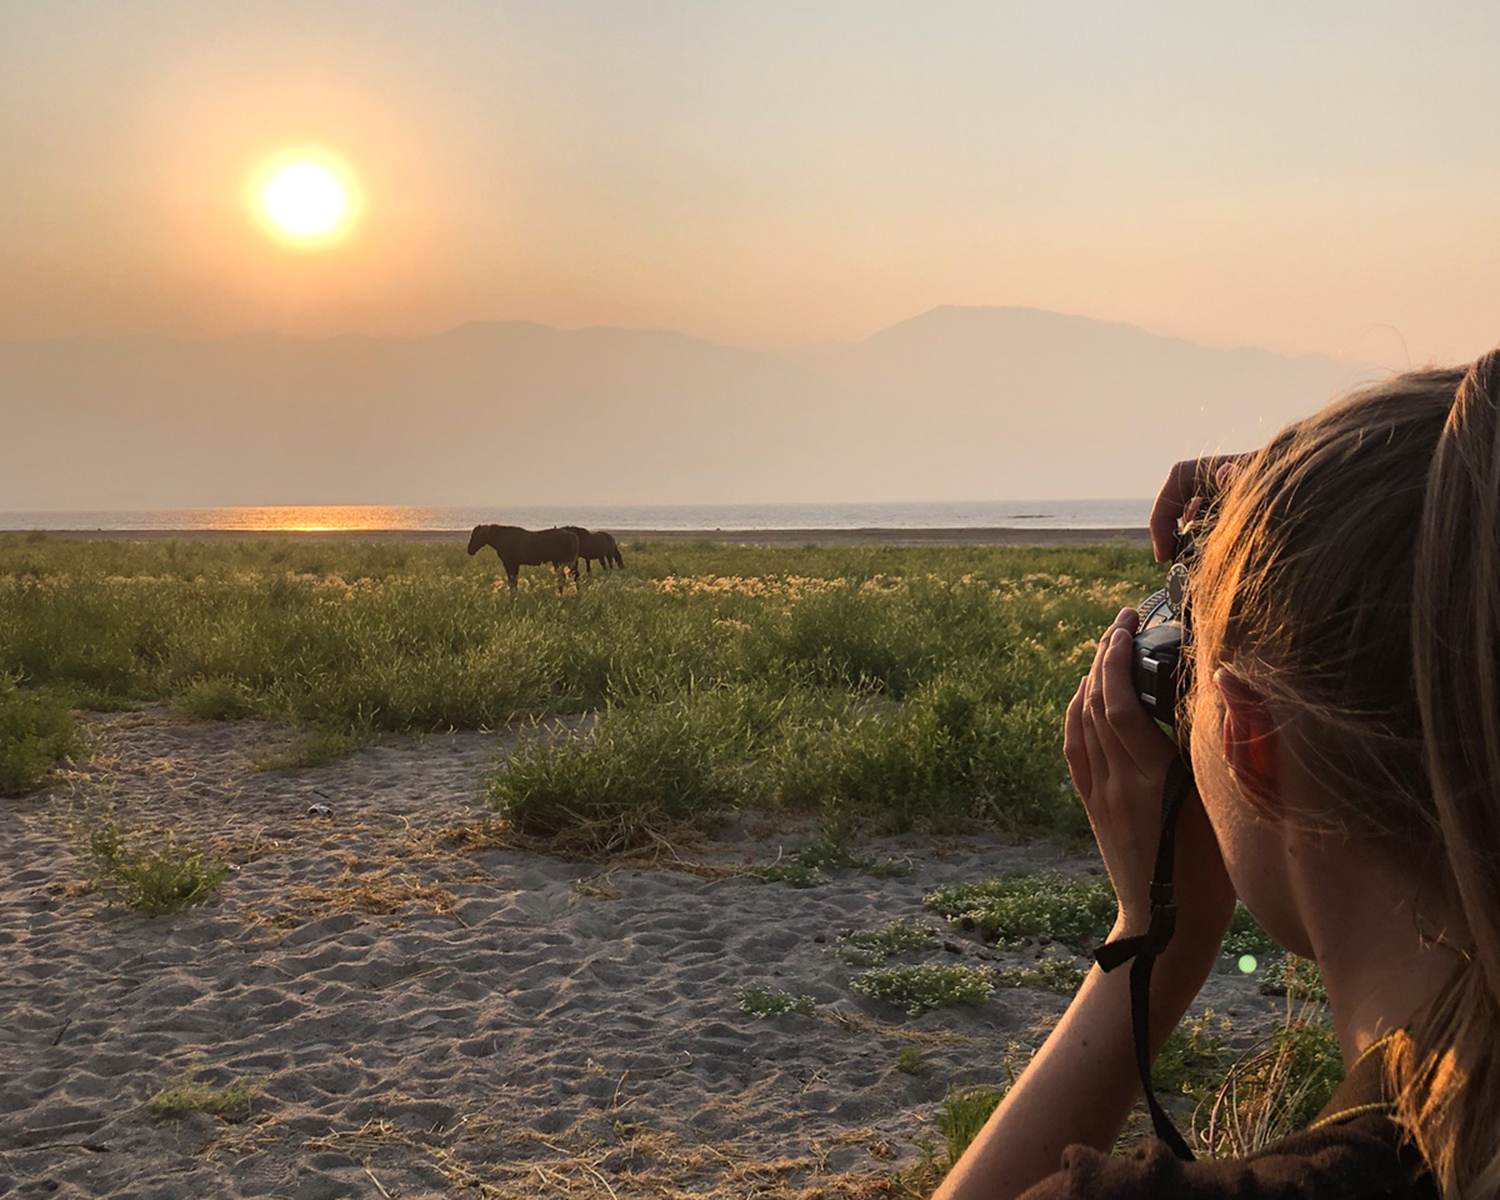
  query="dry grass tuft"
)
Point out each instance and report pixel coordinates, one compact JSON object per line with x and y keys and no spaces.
{"x":378,"y":891}
{"x":622,"y":1161}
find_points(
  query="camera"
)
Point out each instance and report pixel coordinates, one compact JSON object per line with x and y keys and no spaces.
{"x":1159,"y":657}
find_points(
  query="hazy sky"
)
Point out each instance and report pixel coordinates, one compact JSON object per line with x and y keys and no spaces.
{"x":1300,"y":176}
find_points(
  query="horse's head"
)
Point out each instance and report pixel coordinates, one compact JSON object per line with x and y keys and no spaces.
{"x":479,"y":538}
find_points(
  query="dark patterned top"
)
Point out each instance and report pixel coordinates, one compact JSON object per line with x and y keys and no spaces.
{"x":1352,"y":1149}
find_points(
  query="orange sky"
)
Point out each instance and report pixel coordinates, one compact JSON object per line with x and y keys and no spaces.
{"x":1311,"y":177}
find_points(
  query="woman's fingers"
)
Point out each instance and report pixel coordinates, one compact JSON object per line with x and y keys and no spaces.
{"x":1180,"y":487}
{"x":1097,"y":760}
{"x":1195,"y":478}
{"x":1075,"y":753}
{"x":1136,"y":732}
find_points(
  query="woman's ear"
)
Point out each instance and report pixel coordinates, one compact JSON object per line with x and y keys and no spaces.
{"x":1250,"y":741}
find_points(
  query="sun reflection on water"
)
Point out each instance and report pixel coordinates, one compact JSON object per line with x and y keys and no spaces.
{"x":316,"y":518}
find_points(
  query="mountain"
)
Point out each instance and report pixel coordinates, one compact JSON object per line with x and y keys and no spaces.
{"x":959,"y":403}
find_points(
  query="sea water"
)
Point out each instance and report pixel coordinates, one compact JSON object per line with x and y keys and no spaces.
{"x":983,"y":514}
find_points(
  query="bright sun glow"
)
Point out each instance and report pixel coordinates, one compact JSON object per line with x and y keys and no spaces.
{"x":305,"y":200}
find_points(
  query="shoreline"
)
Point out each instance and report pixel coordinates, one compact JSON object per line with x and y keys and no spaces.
{"x":992,"y":536}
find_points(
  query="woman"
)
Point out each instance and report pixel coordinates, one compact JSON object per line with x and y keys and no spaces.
{"x":1344,"y":729}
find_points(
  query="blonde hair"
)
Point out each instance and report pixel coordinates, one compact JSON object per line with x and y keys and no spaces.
{"x":1352,"y":577}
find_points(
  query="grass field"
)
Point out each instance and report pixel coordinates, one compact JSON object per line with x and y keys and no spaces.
{"x":910,"y":685}
{"x":874,"y":687}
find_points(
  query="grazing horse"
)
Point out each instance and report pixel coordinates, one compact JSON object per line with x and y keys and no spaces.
{"x":519,"y":547}
{"x":600,"y":545}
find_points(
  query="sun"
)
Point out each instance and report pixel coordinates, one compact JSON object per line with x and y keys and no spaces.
{"x":305,"y":199}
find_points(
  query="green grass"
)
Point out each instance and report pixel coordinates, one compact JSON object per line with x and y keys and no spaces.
{"x":920,"y":989}
{"x":36,"y":733}
{"x":909,"y":1060}
{"x":1278,"y":1089}
{"x":1284,"y":974}
{"x":315,"y":747}
{"x":1194,"y":1057}
{"x":1245,"y":935}
{"x":146,"y":870}
{"x":771,"y":1002}
{"x":962,"y":1116}
{"x":1012,"y":908}
{"x":190,"y":1096}
{"x":868,"y":949}
{"x":831,"y":850}
{"x":1052,"y":972}
{"x":895,"y":686}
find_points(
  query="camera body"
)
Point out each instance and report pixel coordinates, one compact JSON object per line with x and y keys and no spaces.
{"x":1159,"y":657}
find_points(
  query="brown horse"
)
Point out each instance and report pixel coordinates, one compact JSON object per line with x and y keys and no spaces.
{"x":600,"y":545}
{"x":519,"y":547}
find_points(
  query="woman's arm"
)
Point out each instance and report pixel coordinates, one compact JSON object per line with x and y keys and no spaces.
{"x":1080,"y":1085}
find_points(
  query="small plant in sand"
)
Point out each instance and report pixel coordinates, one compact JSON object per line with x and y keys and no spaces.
{"x":909,"y":1060}
{"x":177,"y":1100}
{"x":1011,"y":908}
{"x":1245,"y":935}
{"x":921,"y":989}
{"x":772,"y":1002}
{"x":1052,"y":972}
{"x":1269,"y":1094}
{"x":791,"y":871}
{"x":36,"y":732}
{"x":831,"y":850}
{"x":316,"y":747}
{"x":1284,"y":974}
{"x":873,"y":948}
{"x":647,"y":775}
{"x":1194,"y":1057}
{"x":962,"y":1116}
{"x":217,"y":699}
{"x":146,"y":870}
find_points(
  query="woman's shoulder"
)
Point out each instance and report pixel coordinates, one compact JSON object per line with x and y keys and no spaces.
{"x":1363,"y":1156}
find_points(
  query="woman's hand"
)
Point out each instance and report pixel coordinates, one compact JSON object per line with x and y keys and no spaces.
{"x":1189,"y":485}
{"x":1118,"y":758}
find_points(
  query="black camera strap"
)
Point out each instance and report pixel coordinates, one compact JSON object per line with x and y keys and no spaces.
{"x":1146,"y":948}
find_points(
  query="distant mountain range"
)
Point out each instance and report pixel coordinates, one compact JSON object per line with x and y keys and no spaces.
{"x":958,"y":403}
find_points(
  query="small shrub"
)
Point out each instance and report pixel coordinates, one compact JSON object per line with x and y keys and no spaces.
{"x":909,"y":1060}
{"x":1270,"y":1094}
{"x":217,"y":699}
{"x":831,"y":850}
{"x":921,"y":989}
{"x":317,"y":747}
{"x":1245,"y":935}
{"x":792,"y":872}
{"x":964,"y":1112}
{"x":1008,"y":909}
{"x":646,"y":775}
{"x":178,"y":1100}
{"x":36,"y":732}
{"x":147,"y":872}
{"x":1284,"y":974}
{"x":1194,"y":1057}
{"x":771,"y":1002}
{"x":1052,"y":972}
{"x":871,"y":949}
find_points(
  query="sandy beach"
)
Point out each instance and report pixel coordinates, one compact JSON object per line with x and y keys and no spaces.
{"x":422,"y":1012}
{"x":738,"y":537}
